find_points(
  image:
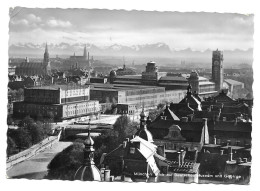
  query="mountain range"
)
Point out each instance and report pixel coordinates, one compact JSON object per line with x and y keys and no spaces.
{"x":146,"y":50}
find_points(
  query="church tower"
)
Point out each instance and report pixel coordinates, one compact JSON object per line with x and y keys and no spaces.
{"x":85,"y":52}
{"x":46,"y":62}
{"x":217,"y":69}
{"x":46,"y":57}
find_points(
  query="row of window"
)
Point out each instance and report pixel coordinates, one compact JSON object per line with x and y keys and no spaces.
{"x":81,"y":111}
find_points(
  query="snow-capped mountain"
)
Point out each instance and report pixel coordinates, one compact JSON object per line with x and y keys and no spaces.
{"x":146,"y":50}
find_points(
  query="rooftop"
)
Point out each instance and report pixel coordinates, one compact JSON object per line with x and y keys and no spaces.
{"x":173,"y":78}
{"x":56,"y":87}
{"x":233,"y":82}
{"x":129,"y":77}
{"x":119,"y":87}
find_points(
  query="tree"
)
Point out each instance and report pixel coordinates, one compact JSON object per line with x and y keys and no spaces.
{"x":37,"y":133}
{"x":125,"y":127}
{"x":11,"y":146}
{"x":23,"y":139}
{"x":65,"y":164}
{"x":109,"y":140}
{"x":10,"y":120}
{"x":154,"y":113}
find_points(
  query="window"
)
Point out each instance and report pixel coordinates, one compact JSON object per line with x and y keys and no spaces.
{"x":132,"y":150}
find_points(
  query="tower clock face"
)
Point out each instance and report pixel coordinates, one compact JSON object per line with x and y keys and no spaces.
{"x":216,"y":63}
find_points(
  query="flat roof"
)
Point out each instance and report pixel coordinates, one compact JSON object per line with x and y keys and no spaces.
{"x":212,"y":92}
{"x":129,"y":76}
{"x":233,"y":147}
{"x":56,"y":87}
{"x":234,"y":82}
{"x":174,"y":78}
{"x":118,"y":87}
{"x":206,"y":83}
{"x":201,"y":78}
{"x":131,"y":82}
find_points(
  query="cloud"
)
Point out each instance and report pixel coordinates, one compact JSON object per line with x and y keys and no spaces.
{"x":33,"y":18}
{"x":20,"y":22}
{"x":179,"y":30}
{"x":58,"y":23}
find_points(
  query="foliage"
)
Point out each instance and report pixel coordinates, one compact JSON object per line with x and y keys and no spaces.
{"x":15,"y":95}
{"x":109,"y":140}
{"x":10,"y":120}
{"x":28,"y":133}
{"x":65,"y":164}
{"x":11,"y":146}
{"x":154,"y":113}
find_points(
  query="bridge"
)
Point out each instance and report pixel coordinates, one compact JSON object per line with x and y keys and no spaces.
{"x":75,"y":129}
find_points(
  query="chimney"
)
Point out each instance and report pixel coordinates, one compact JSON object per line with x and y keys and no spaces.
{"x":184,"y":119}
{"x":124,"y":144}
{"x":245,"y":160}
{"x":182,"y":156}
{"x":190,"y":117}
{"x":224,"y":119}
{"x":236,"y":122}
{"x":102,"y":170}
{"x":237,"y":143}
{"x":214,"y":140}
{"x":228,"y":142}
{"x":230,"y":154}
{"x":239,"y":160}
{"x":107,"y":175}
{"x":221,"y":152}
{"x":179,"y":158}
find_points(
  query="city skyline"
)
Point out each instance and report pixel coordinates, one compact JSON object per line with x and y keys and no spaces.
{"x":198,"y":31}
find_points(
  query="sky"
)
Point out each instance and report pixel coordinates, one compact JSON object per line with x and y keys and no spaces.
{"x":198,"y":31}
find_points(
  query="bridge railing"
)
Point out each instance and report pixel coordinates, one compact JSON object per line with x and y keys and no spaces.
{"x":32,"y":151}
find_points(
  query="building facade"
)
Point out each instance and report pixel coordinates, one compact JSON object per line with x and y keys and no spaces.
{"x":147,"y":96}
{"x":27,"y":68}
{"x":152,"y":77}
{"x":64,"y":102}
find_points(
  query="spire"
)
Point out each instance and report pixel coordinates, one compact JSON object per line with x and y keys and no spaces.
{"x":189,"y":90}
{"x":46,"y":47}
{"x":142,"y":119}
{"x":85,"y":51}
{"x":143,"y":132}
{"x":88,"y":171}
{"x":46,"y":54}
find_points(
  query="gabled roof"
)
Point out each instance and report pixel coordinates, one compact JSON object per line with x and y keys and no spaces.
{"x":147,"y":149}
{"x":169,"y":115}
{"x":223,"y":97}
